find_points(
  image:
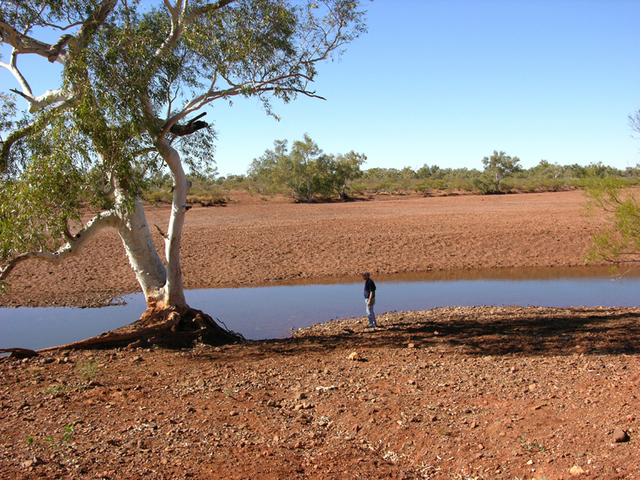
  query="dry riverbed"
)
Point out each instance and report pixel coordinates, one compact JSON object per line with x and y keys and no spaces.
{"x":454,"y":393}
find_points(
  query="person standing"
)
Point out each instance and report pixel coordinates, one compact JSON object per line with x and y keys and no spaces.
{"x":370,"y":298}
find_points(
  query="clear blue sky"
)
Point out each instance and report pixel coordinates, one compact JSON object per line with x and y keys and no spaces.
{"x":446,"y":82}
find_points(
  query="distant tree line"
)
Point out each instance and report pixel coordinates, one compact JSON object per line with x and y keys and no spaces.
{"x":305,"y":173}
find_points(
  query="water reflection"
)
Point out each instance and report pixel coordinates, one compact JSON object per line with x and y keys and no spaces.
{"x":272,"y":311}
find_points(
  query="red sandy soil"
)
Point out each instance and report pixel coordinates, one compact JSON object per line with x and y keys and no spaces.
{"x":454,"y":393}
{"x":257,"y":241}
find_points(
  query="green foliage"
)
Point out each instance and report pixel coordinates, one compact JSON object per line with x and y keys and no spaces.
{"x":345,"y":168}
{"x":610,"y":192}
{"x":434,"y":180}
{"x":87,"y":370}
{"x":43,"y":201}
{"x":51,"y":442}
{"x":486,"y":186}
{"x":305,"y":172}
{"x":497,"y":167}
{"x":68,"y":434}
{"x":619,"y":241}
{"x":133,"y":76}
{"x":204,"y":191}
{"x":56,"y":389}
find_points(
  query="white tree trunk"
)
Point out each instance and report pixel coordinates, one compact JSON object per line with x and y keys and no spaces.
{"x":161,"y":283}
{"x":174,"y":289}
{"x":141,"y":252}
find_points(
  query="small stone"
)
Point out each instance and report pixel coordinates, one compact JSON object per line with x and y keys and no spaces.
{"x":137,"y":359}
{"x":620,"y":436}
{"x":142,"y":445}
{"x":133,"y":345}
{"x":411,"y":345}
{"x":300,"y":396}
{"x":201,"y":383}
{"x":326,"y":389}
{"x":355,"y":356}
{"x":576,"y":470}
{"x":32,"y":462}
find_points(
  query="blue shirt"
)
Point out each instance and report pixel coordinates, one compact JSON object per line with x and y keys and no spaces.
{"x":369,"y":286}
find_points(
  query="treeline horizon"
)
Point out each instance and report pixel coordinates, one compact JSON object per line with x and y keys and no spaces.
{"x":322,"y":177}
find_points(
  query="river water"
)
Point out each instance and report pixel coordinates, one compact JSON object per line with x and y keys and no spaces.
{"x":273,"y":311}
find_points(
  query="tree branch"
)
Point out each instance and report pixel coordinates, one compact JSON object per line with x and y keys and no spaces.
{"x":13,"y":68}
{"x":73,"y":247}
{"x":57,"y":52}
{"x":162,"y":234}
{"x":180,"y":19}
{"x":192,"y":126}
{"x":25,"y":44}
{"x":203,"y":10}
{"x":91,"y":24}
{"x":48,"y":98}
{"x":34,"y":126}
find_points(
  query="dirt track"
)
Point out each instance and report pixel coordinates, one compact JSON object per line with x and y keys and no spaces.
{"x":256,"y":241}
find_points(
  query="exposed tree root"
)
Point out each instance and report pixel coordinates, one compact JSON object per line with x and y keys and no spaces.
{"x":19,"y":352}
{"x":161,"y":327}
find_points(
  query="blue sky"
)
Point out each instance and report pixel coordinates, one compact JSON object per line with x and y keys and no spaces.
{"x":446,"y":82}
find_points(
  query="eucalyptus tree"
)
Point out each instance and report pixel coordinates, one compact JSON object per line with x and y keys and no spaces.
{"x":499,"y":166}
{"x":128,"y":82}
{"x":297,"y":170}
{"x":305,"y":171}
{"x":309,"y":164}
{"x":345,"y":168}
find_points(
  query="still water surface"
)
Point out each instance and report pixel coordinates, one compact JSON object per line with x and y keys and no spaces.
{"x":272,"y":311}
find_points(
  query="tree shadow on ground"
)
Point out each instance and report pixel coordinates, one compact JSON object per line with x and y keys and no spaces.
{"x":555,"y":332}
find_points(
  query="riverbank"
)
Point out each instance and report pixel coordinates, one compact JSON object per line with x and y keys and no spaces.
{"x":451,"y":393}
{"x":253,"y":241}
{"x":478,"y":392}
